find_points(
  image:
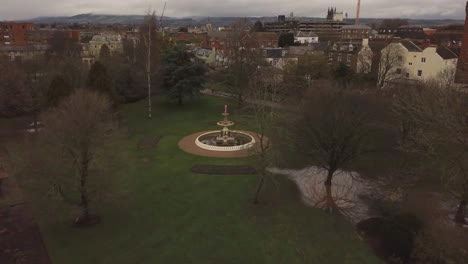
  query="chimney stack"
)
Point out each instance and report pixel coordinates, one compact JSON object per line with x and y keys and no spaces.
{"x":462,"y":66}
{"x":358,"y":12}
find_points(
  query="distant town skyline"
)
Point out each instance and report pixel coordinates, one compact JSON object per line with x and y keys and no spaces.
{"x":417,"y":9}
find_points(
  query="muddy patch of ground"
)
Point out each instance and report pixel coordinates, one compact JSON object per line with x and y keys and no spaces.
{"x":223,"y":169}
{"x":149,"y":142}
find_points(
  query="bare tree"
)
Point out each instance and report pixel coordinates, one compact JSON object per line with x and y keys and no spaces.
{"x":440,"y":135}
{"x":331,"y":130}
{"x":72,"y":150}
{"x":263,"y":88}
{"x":149,"y":40}
{"x":243,"y":58}
{"x":445,"y":78}
{"x":391,"y":59}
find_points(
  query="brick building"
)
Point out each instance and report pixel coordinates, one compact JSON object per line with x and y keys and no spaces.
{"x":43,"y":36}
{"x":356,"y":32}
{"x":15,"y":34}
{"x":462,"y":67}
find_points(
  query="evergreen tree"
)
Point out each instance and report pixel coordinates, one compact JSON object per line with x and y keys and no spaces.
{"x":99,"y":80}
{"x":286,"y":40}
{"x":182,"y":74}
{"x":58,"y":89}
{"x":104,"y":53}
{"x":258,"y":27}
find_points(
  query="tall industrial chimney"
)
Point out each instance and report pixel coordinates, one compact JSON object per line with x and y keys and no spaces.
{"x":357,"y":12}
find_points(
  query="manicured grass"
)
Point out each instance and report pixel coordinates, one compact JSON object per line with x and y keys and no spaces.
{"x":163,"y":213}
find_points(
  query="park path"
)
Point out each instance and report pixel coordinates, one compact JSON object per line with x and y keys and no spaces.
{"x":250,"y":101}
{"x":20,"y":237}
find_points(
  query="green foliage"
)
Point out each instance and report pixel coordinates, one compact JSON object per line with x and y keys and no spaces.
{"x":104,"y":53}
{"x":343,"y":75}
{"x":286,"y":40}
{"x":258,"y":27}
{"x":58,"y":89}
{"x":127,"y":83}
{"x":99,"y":80}
{"x":15,"y":93}
{"x":183,"y":76}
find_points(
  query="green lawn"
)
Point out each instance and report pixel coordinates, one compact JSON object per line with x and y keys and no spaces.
{"x":163,"y":213}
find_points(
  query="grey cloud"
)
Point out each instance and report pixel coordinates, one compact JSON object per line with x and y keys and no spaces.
{"x":21,"y":9}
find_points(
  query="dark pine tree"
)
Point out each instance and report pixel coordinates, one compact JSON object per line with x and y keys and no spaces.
{"x":99,"y":80}
{"x":286,"y":40}
{"x":182,"y":74}
{"x":58,"y":90}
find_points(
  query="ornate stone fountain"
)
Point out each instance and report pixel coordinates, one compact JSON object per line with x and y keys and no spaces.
{"x":225,"y":139}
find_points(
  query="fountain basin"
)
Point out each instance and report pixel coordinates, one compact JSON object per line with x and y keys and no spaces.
{"x":214,"y":141}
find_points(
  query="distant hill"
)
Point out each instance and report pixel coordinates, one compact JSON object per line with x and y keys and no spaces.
{"x":216,"y":21}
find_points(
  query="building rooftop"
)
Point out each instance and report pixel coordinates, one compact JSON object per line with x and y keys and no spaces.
{"x":356,"y":27}
{"x":306,"y":34}
{"x":410,"y":46}
{"x":446,"y":53}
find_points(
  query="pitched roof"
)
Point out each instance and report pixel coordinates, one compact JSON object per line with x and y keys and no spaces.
{"x":306,"y":34}
{"x":266,"y":36}
{"x":410,"y":46}
{"x":446,"y":53}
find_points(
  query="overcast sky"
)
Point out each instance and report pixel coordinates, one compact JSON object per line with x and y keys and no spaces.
{"x":439,"y":9}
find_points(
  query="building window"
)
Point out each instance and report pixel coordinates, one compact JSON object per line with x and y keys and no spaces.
{"x":410,"y":63}
{"x":398,"y":71}
{"x":419,"y":73}
{"x":407,"y":75}
{"x":339,"y":58}
{"x":348,"y":58}
{"x":423,"y":59}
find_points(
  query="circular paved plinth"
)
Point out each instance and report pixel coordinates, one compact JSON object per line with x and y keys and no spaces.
{"x":187,"y":144}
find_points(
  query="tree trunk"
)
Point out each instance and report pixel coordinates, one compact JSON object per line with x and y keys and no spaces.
{"x":259,"y":189}
{"x":239,"y":100}
{"x":330,"y":204}
{"x":148,"y":72}
{"x":149,"y":97}
{"x":35,"y":120}
{"x":179,"y":100}
{"x":84,"y":218}
{"x":328,"y":181}
{"x":460,"y":215}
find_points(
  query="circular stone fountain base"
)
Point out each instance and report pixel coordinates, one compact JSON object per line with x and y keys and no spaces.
{"x":188,"y":144}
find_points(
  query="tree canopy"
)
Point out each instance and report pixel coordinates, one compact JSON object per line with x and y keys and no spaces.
{"x":58,"y":90}
{"x":286,"y":40}
{"x":104,"y":53}
{"x":182,"y":74}
{"x":99,"y":80}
